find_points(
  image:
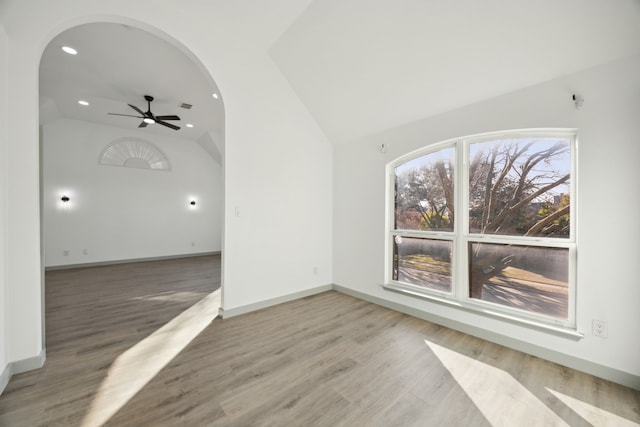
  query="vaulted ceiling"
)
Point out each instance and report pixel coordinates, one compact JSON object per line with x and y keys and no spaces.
{"x":117,"y":65}
{"x":363,"y":66}
{"x":359,"y":66}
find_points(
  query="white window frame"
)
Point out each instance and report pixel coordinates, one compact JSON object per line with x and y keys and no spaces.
{"x":461,"y":237}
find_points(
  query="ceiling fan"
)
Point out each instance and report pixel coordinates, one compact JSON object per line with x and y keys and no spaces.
{"x":148,"y":117}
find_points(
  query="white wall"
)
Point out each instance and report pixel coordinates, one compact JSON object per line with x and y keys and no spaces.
{"x":23,"y":305}
{"x":119,"y":213}
{"x":3,"y":195}
{"x":608,"y":204}
{"x":278,"y":164}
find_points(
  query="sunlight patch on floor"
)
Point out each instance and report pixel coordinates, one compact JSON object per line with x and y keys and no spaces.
{"x":182,"y":296}
{"x":593,"y":414}
{"x":134,"y":368}
{"x":498,"y":395}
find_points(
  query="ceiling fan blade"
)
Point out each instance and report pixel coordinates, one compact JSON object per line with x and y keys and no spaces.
{"x":126,"y":115}
{"x":137,"y":109}
{"x":172,"y":117}
{"x":143,"y":124}
{"x":169,"y":125}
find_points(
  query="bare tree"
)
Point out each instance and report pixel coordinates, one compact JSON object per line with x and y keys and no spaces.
{"x":512,"y":190}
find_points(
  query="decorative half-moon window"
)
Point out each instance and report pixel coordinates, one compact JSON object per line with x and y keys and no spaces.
{"x":134,"y":153}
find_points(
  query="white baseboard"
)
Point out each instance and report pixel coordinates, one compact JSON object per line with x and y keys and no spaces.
{"x":236,"y":311}
{"x":592,"y":368}
{"x":20,"y":366}
{"x":127,"y":261}
{"x":29,"y":364}
{"x":5,"y":377}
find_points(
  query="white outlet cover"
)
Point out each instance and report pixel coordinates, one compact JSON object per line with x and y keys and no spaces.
{"x":599,"y":328}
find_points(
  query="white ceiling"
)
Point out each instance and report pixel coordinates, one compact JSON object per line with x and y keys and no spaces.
{"x":359,"y":66}
{"x":117,"y":65}
{"x":363,"y":66}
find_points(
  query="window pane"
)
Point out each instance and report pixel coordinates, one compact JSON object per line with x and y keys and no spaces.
{"x":422,"y":262}
{"x":424,"y":192}
{"x":520,"y":187}
{"x":529,"y":278}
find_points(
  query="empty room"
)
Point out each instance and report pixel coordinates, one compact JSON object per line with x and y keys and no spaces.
{"x":319,"y":212}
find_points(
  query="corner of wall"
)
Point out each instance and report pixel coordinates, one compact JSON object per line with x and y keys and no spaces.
{"x":6,"y":374}
{"x":21,"y":366}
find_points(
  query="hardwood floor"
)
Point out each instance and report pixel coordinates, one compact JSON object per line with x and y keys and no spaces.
{"x":134,"y":345}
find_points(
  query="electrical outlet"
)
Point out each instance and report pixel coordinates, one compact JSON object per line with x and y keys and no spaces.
{"x":85,"y":252}
{"x":65,"y":252}
{"x":599,"y":328}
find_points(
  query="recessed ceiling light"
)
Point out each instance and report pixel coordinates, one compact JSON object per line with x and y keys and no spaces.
{"x":189,"y":125}
{"x":81,"y":102}
{"x":69,"y":50}
{"x":148,"y":120}
{"x":215,"y":95}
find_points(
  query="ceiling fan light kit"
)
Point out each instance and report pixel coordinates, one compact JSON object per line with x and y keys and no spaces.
{"x":148,"y":117}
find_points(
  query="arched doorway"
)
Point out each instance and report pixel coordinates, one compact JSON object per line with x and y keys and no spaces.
{"x":119,"y":207}
{"x":110,"y":87}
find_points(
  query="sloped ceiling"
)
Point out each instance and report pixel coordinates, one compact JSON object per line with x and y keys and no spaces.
{"x":363,"y":66}
{"x":359,"y":66}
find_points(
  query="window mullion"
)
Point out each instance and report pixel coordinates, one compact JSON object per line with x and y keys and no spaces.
{"x":462,"y":219}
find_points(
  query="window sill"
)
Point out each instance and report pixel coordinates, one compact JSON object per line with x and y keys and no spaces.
{"x":459,"y":305}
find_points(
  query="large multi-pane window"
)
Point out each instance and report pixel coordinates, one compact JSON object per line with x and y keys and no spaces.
{"x":487,"y":221}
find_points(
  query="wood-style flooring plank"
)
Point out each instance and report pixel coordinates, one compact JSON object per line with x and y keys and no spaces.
{"x":323,"y":360}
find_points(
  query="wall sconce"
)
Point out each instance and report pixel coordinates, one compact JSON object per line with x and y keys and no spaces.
{"x":64,"y":199}
{"x":192,"y":200}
